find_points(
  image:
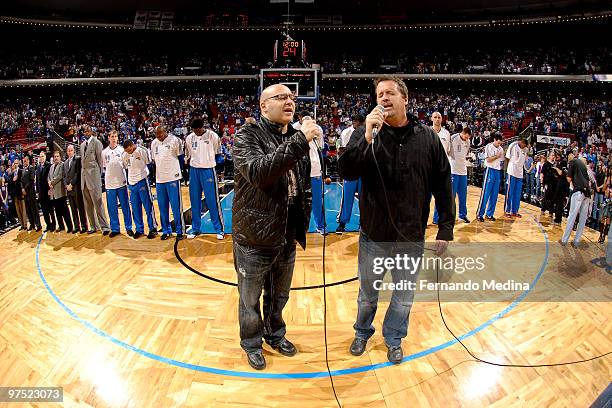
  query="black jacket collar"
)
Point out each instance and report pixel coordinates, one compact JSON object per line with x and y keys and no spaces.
{"x":276,"y":128}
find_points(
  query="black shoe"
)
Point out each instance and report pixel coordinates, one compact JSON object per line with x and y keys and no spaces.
{"x":84,"y":231}
{"x":395,"y":354}
{"x":286,"y":348}
{"x":75,"y":231}
{"x":59,"y":230}
{"x":562,"y":243}
{"x":180,"y":237}
{"x":38,"y":229}
{"x":130,"y":233}
{"x":490,"y":218}
{"x":152,"y":234}
{"x":358,"y":346}
{"x":341,"y":228}
{"x":480,"y":219}
{"x":138,"y":235}
{"x":256,"y":360}
{"x":164,"y":237}
{"x":106,"y":232}
{"x":113,"y":234}
{"x":91,"y":232}
{"x":48,"y":229}
{"x":464,"y":219}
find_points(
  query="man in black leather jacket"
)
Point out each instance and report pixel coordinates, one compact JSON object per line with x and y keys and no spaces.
{"x":271,"y":211}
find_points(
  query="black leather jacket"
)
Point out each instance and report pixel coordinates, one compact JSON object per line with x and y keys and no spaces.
{"x":263,"y":157}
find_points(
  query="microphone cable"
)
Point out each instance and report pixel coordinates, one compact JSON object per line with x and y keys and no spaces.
{"x":323,"y":175}
{"x":382,"y":182}
{"x":325,"y":232}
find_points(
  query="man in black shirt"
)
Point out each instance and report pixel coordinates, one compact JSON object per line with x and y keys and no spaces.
{"x":577,"y":176}
{"x":394,"y":205}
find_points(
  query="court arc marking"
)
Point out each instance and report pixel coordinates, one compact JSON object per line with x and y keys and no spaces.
{"x":314,"y":374}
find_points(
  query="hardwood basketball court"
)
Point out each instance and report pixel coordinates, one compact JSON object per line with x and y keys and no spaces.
{"x":121,"y":323}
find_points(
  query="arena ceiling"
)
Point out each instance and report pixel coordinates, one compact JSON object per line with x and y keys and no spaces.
{"x":406,"y":9}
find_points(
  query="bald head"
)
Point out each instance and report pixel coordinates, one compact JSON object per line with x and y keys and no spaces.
{"x":277,"y":104}
{"x":160,"y":133}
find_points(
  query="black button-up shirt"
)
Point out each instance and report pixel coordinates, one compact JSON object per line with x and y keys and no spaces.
{"x":413,"y":166}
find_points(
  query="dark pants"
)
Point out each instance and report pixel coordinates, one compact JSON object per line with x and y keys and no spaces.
{"x":549,"y":197}
{"x":77,"y":207}
{"x":32,"y":211}
{"x":47,"y":209}
{"x":272,"y":270}
{"x":61,"y":213}
{"x":559,"y":206}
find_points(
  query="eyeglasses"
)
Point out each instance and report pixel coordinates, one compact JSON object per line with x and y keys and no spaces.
{"x":283,"y":97}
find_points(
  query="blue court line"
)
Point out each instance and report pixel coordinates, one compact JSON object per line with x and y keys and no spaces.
{"x":314,"y":374}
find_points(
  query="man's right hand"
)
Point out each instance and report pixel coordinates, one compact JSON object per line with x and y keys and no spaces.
{"x":375,"y":119}
{"x":310,"y":130}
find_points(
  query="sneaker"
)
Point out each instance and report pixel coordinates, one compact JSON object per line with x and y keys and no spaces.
{"x":152,"y":234}
{"x":508,"y":215}
{"x":193,"y":235}
{"x":164,"y":237}
{"x":138,"y":235}
{"x":341,"y":228}
{"x":490,"y":218}
{"x":180,"y":237}
{"x":105,"y":232}
{"x":395,"y":354}
{"x":464,"y":219}
{"x":358,"y":346}
{"x":130,"y":233}
{"x":481,"y":219}
{"x":220,"y":237}
{"x":322,"y":231}
{"x":113,"y":234}
{"x":517,"y":215}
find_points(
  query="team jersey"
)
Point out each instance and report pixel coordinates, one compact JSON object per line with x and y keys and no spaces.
{"x":491,"y":151}
{"x":517,"y":158}
{"x":114,"y":172}
{"x":444,"y":136}
{"x":201,"y":150}
{"x":136,"y":164}
{"x":165,"y":155}
{"x":459,"y":150}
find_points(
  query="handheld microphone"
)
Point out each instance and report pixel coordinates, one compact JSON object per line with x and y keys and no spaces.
{"x":375,"y":129}
{"x":316,"y":138}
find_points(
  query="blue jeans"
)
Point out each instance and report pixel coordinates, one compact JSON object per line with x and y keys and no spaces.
{"x":579,"y":205}
{"x":609,"y":249}
{"x":597,"y":200}
{"x":529,"y":184}
{"x":272,"y":270}
{"x":395,"y":325}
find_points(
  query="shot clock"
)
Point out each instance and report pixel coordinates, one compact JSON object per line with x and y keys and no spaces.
{"x":289,"y":53}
